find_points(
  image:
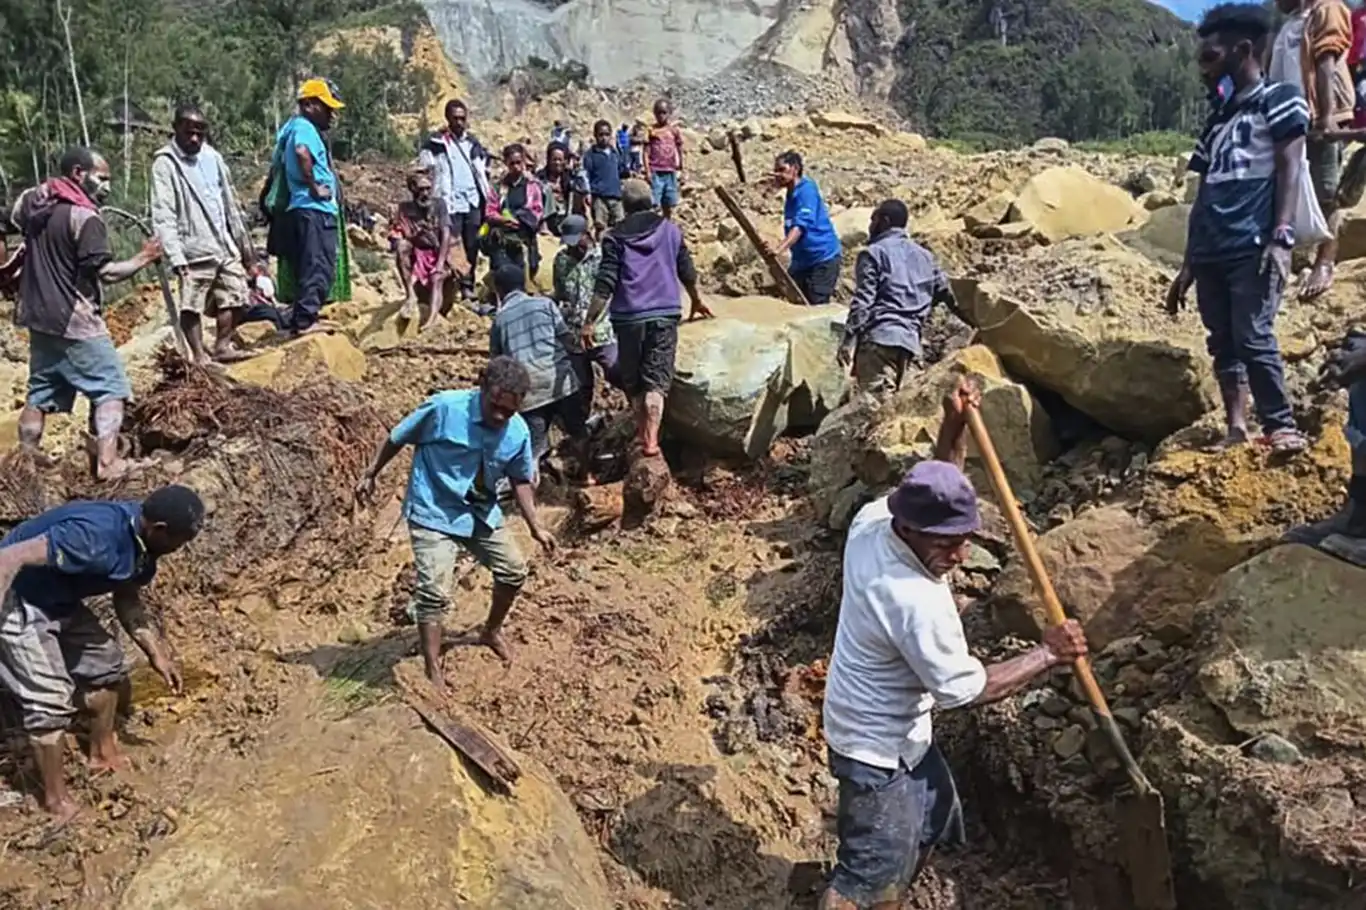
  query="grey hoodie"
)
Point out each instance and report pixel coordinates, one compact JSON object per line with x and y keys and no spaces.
{"x":180,"y":214}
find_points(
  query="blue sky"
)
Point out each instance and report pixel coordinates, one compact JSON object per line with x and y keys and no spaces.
{"x":1188,"y":9}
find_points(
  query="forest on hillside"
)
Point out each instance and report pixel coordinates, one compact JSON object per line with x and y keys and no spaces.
{"x":109,"y":72}
{"x":998,"y":72}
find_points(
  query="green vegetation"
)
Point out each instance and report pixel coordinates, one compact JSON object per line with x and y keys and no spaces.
{"x":238,"y":59}
{"x":996,"y":73}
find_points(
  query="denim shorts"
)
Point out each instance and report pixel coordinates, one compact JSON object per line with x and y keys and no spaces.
{"x":59,"y":368}
{"x":888,"y":823}
{"x":664,"y":187}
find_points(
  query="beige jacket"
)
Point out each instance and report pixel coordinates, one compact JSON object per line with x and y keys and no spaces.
{"x":180,"y":217}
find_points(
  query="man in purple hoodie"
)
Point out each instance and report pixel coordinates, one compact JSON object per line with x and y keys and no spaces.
{"x":644,"y":260}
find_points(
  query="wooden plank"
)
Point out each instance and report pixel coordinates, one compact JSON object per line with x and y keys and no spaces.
{"x":465,"y":738}
{"x":735,"y":155}
{"x":786,"y":285}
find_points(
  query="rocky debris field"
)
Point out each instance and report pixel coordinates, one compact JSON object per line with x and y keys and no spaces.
{"x":665,"y":700}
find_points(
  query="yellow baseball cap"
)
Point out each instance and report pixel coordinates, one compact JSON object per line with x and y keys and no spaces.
{"x":320,"y":89}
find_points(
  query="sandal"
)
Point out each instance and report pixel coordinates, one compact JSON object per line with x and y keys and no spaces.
{"x":1285,"y":441}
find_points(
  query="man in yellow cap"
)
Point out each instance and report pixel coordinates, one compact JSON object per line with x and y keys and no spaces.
{"x":308,"y":233}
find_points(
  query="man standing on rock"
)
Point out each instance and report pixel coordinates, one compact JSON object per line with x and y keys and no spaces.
{"x":644,"y":260}
{"x":464,"y":443}
{"x":196,"y":218}
{"x":1242,"y":223}
{"x":807,"y":231}
{"x":900,"y":652}
{"x":54,"y":653}
{"x":459,"y":166}
{"x":532,"y":332}
{"x":1310,"y":52}
{"x":312,"y":223}
{"x":664,"y":161}
{"x":898,"y":283}
{"x":67,"y":260}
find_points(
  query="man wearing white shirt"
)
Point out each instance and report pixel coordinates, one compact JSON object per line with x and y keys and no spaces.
{"x":459,"y":168}
{"x":900,"y":652}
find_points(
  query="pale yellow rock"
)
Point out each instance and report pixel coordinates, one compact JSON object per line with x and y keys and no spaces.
{"x":992,"y":210}
{"x":852,"y":226}
{"x":842,"y":120}
{"x":1064,"y":202}
{"x":294,"y":362}
{"x":1052,"y":145}
{"x":1157,"y":199}
{"x":1290,"y":655}
{"x":913,"y":142}
{"x":371,"y":810}
{"x":875,"y":443}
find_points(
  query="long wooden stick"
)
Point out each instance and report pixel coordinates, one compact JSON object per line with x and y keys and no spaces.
{"x":1052,"y":605}
{"x":775,"y":268}
{"x":735,"y":155}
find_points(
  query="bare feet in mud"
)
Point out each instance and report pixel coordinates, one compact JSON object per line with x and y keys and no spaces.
{"x":494,"y":641}
{"x":62,"y":812}
{"x":120,"y":470}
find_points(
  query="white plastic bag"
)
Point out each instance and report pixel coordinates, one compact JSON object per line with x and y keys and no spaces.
{"x":1311,"y":228}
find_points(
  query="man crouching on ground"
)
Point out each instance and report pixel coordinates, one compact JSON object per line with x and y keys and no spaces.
{"x":54,"y":652}
{"x":900,"y":652}
{"x":464,"y":442}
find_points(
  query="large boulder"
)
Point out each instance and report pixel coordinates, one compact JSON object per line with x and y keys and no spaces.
{"x":842,"y":120}
{"x":1115,"y":574}
{"x":1162,"y":238}
{"x":1064,"y":202}
{"x":294,"y":362}
{"x":1290,"y":656}
{"x":852,"y":226}
{"x":370,"y":811}
{"x":870,"y":444}
{"x":1107,"y":348}
{"x":759,"y":369}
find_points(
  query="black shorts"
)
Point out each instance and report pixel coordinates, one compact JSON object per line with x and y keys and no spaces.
{"x":645,"y":354}
{"x":818,"y":283}
{"x":571,"y":412}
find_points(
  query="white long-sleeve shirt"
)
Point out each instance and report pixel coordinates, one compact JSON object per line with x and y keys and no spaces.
{"x":899,"y":650}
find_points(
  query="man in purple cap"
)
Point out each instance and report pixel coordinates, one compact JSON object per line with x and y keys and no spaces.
{"x":899,"y":653}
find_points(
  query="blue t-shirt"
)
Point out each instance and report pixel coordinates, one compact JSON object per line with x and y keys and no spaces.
{"x":458,"y":462}
{"x":299,"y":131}
{"x":1235,"y":211}
{"x":603,"y":168}
{"x":92,"y":548}
{"x":804,"y":208}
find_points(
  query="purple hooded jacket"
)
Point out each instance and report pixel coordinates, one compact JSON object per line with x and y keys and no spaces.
{"x":644,"y":259}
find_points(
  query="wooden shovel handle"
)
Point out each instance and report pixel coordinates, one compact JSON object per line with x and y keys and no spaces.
{"x":1052,"y":606}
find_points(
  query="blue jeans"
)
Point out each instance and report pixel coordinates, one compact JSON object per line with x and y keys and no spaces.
{"x":888,"y":823}
{"x":664,"y":186}
{"x":1238,"y":301}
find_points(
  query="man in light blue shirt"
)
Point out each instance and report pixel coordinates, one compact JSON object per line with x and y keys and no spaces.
{"x":311,"y":216}
{"x":808,"y":232}
{"x":464,"y":443}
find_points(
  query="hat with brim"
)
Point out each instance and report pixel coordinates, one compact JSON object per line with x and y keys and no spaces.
{"x":572,"y":229}
{"x":320,"y":90}
{"x":935,"y":498}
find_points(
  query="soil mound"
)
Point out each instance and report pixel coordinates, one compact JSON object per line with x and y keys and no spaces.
{"x":371,"y":811}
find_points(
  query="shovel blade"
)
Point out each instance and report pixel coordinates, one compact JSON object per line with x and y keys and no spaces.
{"x":1143,"y":849}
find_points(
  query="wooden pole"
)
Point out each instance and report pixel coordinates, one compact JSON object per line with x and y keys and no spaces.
{"x":735,"y":154}
{"x":786,"y":285}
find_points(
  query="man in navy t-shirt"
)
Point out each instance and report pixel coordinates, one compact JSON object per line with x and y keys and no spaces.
{"x":1241,"y":226}
{"x":808,"y":232}
{"x":53,"y":648}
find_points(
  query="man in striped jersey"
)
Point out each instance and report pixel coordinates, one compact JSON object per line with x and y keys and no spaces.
{"x":1241,"y":226}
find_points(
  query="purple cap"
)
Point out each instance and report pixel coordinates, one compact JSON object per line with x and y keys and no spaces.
{"x":936,"y":498}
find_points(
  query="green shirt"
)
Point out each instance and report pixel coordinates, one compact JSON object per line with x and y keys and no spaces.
{"x":574,"y":279}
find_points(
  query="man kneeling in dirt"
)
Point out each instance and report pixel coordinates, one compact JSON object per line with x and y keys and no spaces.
{"x":53,"y":650}
{"x":900,"y":652}
{"x":465,"y":441}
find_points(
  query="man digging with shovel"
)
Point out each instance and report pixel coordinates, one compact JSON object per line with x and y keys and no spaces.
{"x":900,"y":652}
